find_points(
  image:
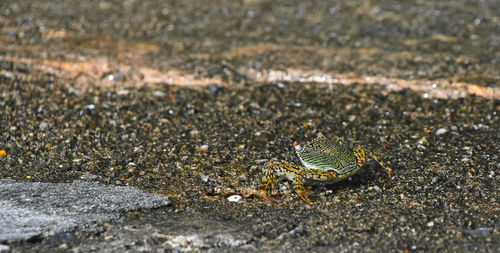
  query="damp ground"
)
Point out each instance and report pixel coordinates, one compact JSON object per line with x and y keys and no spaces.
{"x":203,"y":144}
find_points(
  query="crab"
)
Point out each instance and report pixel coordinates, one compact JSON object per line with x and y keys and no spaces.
{"x":323,"y":160}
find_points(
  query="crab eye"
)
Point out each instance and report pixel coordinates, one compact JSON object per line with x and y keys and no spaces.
{"x":297,"y":146}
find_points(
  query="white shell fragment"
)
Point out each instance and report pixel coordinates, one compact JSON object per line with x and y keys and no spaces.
{"x":234,"y":198}
{"x":441,"y":131}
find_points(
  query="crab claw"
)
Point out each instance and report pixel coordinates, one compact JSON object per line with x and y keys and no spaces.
{"x":304,"y":197}
{"x":263,"y":194}
{"x":270,"y":200}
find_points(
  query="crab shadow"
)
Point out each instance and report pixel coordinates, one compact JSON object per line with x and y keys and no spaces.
{"x":370,"y":175}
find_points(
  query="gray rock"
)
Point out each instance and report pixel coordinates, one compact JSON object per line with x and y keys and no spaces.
{"x":43,"y":209}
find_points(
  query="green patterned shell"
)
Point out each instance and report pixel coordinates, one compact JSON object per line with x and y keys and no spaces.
{"x":326,"y":155}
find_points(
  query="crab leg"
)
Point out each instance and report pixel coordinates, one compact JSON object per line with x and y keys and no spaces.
{"x":268,"y":177}
{"x":382,"y":163}
{"x":299,"y":189}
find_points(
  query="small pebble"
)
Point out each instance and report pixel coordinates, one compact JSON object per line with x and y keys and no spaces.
{"x":204,"y":178}
{"x":74,"y":91}
{"x":88,"y":177}
{"x":43,"y":126}
{"x":158,"y":93}
{"x":234,"y":198}
{"x":296,"y":231}
{"x":195,"y":133}
{"x":118,"y":77}
{"x":441,"y":131}
{"x":248,"y":247}
{"x":122,"y":92}
{"x":293,"y":103}
{"x":214,"y":88}
{"x":480,"y":127}
{"x":280,"y":85}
